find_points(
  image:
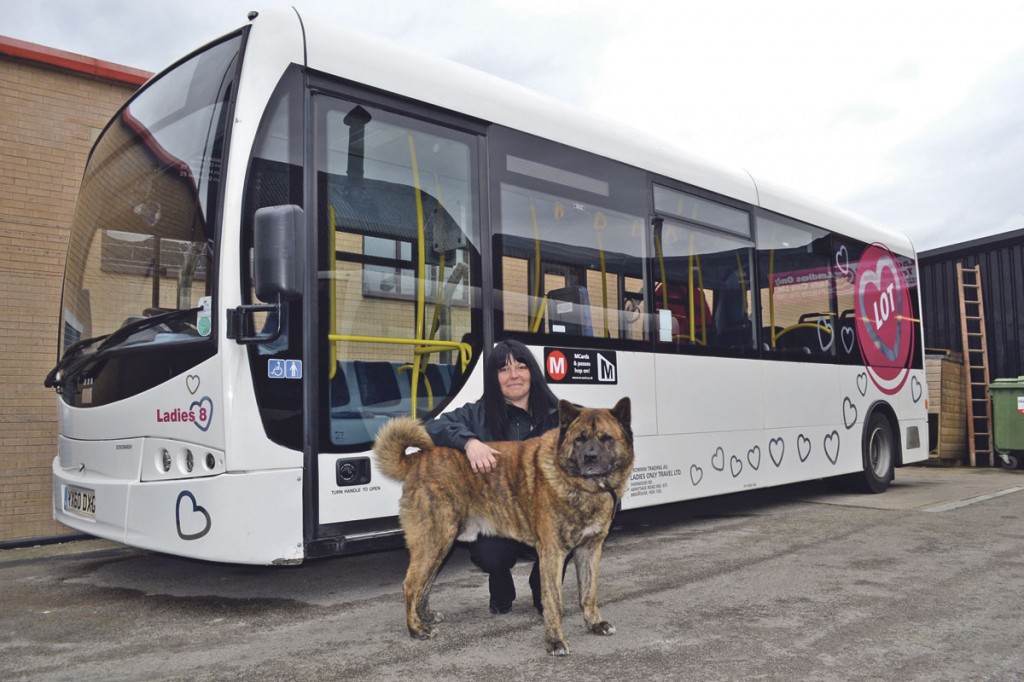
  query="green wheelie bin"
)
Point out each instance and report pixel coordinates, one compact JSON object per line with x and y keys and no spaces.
{"x":1008,"y":420}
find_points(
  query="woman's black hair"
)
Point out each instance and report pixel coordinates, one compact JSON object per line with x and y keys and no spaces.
{"x":541,"y":402}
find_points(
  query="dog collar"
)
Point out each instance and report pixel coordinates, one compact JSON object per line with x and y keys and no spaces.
{"x":615,"y":502}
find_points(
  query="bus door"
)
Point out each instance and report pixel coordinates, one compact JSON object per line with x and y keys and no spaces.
{"x":397,"y":317}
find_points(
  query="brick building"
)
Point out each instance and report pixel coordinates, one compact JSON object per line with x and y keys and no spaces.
{"x":53,"y":104}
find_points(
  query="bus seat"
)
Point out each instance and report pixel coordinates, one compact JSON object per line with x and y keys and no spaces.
{"x":799,"y":339}
{"x":378,"y":384}
{"x":679,"y":304}
{"x":568,"y":311}
{"x":434,"y":383}
{"x":440,"y":378}
{"x":732,"y":325}
{"x":340,"y":395}
{"x":738,"y":334}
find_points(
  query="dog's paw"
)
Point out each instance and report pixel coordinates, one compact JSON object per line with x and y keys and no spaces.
{"x":603,"y":628}
{"x":423,"y":633}
{"x":558,"y":648}
{"x":433,"y":617}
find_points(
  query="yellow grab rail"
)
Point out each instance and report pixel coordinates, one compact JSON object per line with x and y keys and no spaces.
{"x":534,"y":303}
{"x":659,"y":252}
{"x":426,"y":382}
{"x":600,"y":225}
{"x":693,"y":293}
{"x":424,"y":346}
{"x":332,"y":292}
{"x":421,"y":268}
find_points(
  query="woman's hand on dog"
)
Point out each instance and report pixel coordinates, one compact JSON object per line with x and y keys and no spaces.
{"x":481,"y":456}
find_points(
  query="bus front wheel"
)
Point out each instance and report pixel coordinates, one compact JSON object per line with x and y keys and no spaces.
{"x":880,"y":454}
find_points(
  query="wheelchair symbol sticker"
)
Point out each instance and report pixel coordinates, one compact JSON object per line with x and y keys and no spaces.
{"x":284,"y":369}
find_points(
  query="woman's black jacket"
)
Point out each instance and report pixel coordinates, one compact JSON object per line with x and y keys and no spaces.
{"x":455,"y":428}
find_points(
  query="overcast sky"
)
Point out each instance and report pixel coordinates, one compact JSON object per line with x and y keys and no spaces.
{"x":910,"y":112}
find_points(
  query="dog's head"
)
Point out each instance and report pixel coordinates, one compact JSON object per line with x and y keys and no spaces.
{"x":595,"y":443}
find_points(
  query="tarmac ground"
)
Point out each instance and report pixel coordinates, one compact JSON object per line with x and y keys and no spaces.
{"x":924,"y":582}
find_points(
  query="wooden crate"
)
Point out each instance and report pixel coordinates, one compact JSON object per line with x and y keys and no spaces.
{"x":947,"y":401}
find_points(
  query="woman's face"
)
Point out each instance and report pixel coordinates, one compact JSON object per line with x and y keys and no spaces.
{"x":514,"y":379}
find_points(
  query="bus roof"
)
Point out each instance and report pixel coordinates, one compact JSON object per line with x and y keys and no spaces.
{"x":467,"y":91}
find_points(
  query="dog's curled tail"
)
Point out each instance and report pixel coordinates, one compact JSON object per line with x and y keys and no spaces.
{"x":392,"y":441}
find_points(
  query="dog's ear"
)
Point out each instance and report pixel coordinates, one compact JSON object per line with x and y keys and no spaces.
{"x":567,"y":412}
{"x":622,"y":411}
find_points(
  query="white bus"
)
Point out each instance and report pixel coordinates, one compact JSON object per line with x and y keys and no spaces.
{"x":293,"y":235}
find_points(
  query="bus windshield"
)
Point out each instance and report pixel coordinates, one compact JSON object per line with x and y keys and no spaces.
{"x":143,"y":235}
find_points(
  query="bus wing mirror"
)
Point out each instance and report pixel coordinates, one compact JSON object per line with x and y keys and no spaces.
{"x":278,"y":272}
{"x":279,"y":253}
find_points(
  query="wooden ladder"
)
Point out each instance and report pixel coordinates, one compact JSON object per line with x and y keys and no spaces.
{"x":972,"y":331}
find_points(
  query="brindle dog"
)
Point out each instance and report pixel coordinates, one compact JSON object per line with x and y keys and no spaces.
{"x":556,"y":492}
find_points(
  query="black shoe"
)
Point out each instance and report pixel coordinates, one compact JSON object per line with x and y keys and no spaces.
{"x":500,"y":608}
{"x":502,"y":591}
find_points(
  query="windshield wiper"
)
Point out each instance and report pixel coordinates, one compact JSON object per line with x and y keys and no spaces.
{"x":144,"y":323}
{"x":73,"y":361}
{"x":70,"y":354}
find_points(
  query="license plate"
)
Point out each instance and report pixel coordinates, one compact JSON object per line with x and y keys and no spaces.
{"x":80,"y":501}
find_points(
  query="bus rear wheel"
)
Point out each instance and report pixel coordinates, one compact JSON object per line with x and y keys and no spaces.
{"x":880,"y":451}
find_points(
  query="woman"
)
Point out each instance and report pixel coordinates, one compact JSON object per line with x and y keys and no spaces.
{"x":517,"y":404}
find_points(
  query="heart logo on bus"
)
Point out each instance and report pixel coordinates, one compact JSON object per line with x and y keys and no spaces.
{"x":202,"y":412}
{"x":849,"y":339}
{"x":832,"y":446}
{"x":881,"y":299}
{"x":849,"y":413}
{"x":196,"y":519}
{"x":754,"y":457}
{"x":803,"y":447}
{"x":825,"y":326}
{"x":884,"y":320}
{"x":718,"y":459}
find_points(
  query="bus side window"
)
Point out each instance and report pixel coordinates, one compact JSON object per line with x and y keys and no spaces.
{"x":566,"y":264}
{"x":703,"y":279}
{"x":796,"y":288}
